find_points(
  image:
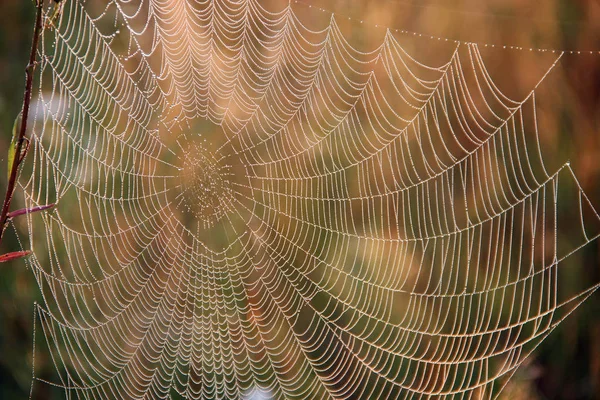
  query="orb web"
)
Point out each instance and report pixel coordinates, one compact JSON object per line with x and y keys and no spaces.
{"x":349,"y":223}
{"x":204,"y":186}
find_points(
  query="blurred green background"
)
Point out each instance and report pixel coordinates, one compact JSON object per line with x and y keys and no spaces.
{"x":567,"y":364}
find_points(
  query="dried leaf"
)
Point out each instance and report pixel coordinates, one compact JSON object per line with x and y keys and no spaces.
{"x":13,"y":144}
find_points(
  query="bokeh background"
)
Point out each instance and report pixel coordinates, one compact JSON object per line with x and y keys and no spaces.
{"x":567,"y":364}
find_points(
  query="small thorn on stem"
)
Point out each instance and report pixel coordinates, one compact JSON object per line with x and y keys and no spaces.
{"x":31,"y":67}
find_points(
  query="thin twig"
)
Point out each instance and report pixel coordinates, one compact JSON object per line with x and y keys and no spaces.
{"x":29,"y":71}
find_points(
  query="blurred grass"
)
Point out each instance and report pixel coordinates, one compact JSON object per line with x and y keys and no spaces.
{"x":567,"y":364}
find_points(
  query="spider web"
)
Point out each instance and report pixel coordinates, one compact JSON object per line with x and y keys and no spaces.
{"x":251,"y":203}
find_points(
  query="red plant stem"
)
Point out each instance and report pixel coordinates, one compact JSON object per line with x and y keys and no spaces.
{"x":12,"y":180}
{"x":24,"y":211}
{"x":14,"y":255}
